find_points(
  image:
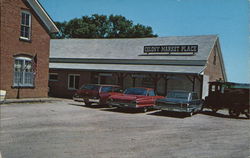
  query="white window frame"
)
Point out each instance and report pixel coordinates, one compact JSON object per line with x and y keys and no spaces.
{"x":53,"y":74}
{"x":23,"y":25}
{"x":72,"y":88}
{"x":25,"y":76}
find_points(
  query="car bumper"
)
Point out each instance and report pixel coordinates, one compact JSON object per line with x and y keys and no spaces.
{"x":174,"y":109}
{"x":82,"y":99}
{"x":122,"y":105}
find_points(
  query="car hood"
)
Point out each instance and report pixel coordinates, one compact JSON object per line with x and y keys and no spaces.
{"x":172,"y":100}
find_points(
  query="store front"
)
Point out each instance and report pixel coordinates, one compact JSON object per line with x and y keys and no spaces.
{"x":169,"y":63}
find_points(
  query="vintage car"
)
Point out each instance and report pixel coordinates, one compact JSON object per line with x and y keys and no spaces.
{"x":229,"y":95}
{"x":96,"y":93}
{"x":139,"y":98}
{"x":180,"y":101}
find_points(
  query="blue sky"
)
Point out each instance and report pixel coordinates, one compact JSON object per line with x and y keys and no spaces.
{"x":229,"y":19}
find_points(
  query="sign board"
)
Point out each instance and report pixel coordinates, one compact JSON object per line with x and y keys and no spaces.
{"x":171,"y":49}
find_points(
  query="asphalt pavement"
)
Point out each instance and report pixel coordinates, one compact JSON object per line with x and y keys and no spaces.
{"x":68,"y":129}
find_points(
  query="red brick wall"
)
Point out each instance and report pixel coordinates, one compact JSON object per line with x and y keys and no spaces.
{"x":214,"y":71}
{"x":60,"y":88}
{"x":11,"y":45}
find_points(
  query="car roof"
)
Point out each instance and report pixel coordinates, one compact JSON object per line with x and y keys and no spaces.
{"x":143,"y":88}
{"x":183,"y":91}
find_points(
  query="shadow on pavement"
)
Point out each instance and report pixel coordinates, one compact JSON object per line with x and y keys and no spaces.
{"x":123,"y":110}
{"x":210,"y":113}
{"x":169,"y":114}
{"x":94,"y":106}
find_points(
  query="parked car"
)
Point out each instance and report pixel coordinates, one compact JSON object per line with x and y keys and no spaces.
{"x":96,"y":93}
{"x":138,"y":98}
{"x":180,"y":101}
{"x":228,"y":95}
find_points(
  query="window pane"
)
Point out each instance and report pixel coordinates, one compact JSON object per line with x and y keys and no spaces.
{"x":27,"y":20}
{"x":53,"y":77}
{"x":26,"y":32}
{"x":22,"y":31}
{"x":106,"y":89}
{"x":151,"y":93}
{"x":71,"y":81}
{"x":23,"y":18}
{"x":77,"y":78}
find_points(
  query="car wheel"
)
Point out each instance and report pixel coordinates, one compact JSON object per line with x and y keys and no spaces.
{"x":247,"y":115}
{"x":87,"y":103}
{"x":234,"y":113}
{"x":145,"y":109}
{"x":214,"y":110}
{"x":191,"y":113}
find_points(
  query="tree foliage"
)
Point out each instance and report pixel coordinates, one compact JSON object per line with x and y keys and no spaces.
{"x":102,"y":26}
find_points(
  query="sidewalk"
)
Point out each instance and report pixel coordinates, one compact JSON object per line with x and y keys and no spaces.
{"x":30,"y":100}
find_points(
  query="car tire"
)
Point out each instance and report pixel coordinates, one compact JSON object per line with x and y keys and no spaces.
{"x":234,"y":113}
{"x":87,"y":103}
{"x":214,"y":110}
{"x":144,"y":109}
{"x":191,"y":113}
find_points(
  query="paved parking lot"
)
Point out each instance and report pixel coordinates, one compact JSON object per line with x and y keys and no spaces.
{"x":66,"y":129}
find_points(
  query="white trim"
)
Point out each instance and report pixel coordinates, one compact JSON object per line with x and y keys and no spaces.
{"x":23,"y":58}
{"x":70,"y":88}
{"x":43,"y":16}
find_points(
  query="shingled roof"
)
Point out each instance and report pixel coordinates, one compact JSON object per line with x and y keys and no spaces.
{"x":73,"y":53}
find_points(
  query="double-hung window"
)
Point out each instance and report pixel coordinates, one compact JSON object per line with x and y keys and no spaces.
{"x":25,"y":25}
{"x":73,"y":81}
{"x":23,"y":72}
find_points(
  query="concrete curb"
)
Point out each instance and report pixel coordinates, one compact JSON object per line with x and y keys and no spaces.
{"x":30,"y":100}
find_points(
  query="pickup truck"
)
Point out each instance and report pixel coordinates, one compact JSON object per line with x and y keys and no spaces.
{"x":96,"y":93}
{"x":180,"y":101}
{"x":137,"y":98}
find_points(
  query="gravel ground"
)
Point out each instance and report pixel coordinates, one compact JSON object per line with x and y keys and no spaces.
{"x":67,"y":129}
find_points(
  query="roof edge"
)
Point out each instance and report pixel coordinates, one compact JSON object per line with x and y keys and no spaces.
{"x":43,"y":15}
{"x":221,"y":59}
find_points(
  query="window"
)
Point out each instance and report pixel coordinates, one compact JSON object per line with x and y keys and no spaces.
{"x":25,"y":25}
{"x":214,"y":61}
{"x":151,"y":93}
{"x":194,"y":96}
{"x":136,"y":91}
{"x":73,"y":81}
{"x":106,"y":89}
{"x":117,"y":89}
{"x":23,"y":72}
{"x":90,"y":87}
{"x":53,"y":77}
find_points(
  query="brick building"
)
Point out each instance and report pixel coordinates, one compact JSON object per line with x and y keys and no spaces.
{"x":165,"y":63}
{"x":24,"y":48}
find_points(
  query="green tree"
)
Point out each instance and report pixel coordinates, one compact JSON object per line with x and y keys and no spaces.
{"x":101,"y":26}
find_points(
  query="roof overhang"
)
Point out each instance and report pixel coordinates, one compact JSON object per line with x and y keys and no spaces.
{"x":168,"y":69}
{"x":42,"y":14}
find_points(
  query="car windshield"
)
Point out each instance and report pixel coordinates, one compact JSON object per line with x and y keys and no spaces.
{"x":136,"y":91}
{"x":90,"y":87}
{"x":106,"y":89}
{"x":178,"y":95}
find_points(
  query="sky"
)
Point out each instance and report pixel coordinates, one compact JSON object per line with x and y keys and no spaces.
{"x":229,"y":19}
